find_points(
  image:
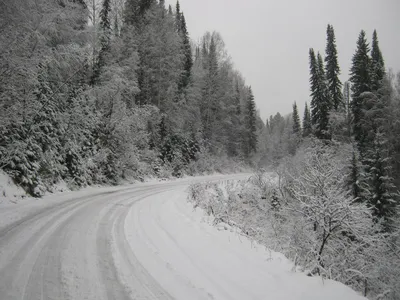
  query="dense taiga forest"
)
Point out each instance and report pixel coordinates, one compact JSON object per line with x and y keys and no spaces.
{"x":98,"y":91}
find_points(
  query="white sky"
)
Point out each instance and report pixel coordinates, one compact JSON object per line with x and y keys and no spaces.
{"x":269,"y":40}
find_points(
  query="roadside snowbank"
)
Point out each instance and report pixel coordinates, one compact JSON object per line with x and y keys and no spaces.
{"x":9,"y":192}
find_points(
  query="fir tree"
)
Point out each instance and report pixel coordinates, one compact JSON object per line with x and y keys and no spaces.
{"x":360,"y":79}
{"x":314,"y":81}
{"x":320,"y":104}
{"x":251,"y":122}
{"x":296,"y":120}
{"x":105,"y":12}
{"x":333,"y":70}
{"x":307,"y":127}
{"x":188,"y":59}
{"x":178,"y":16}
{"x":377,"y":64}
{"x":347,"y":106}
{"x":238,"y":103}
{"x":105,"y":40}
{"x":235,"y":141}
{"x":382,"y":196}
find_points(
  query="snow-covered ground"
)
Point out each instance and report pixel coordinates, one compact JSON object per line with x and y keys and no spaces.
{"x":139,"y":242}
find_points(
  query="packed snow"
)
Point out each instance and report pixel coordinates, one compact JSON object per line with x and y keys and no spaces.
{"x":192,"y":259}
{"x":140,"y":242}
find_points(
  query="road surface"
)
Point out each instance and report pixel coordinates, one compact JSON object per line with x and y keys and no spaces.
{"x":138,"y":242}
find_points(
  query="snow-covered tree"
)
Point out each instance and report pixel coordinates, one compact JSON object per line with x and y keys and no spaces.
{"x":333,"y":70}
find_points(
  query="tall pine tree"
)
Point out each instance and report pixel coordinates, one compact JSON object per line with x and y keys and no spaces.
{"x":333,"y":70}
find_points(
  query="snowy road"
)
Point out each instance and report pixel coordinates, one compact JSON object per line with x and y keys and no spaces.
{"x":139,"y":242}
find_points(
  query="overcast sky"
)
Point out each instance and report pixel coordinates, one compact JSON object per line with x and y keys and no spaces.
{"x":269,"y":40}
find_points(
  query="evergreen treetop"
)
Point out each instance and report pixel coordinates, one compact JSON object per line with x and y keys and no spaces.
{"x":377,"y":64}
{"x":178,"y":16}
{"x":333,"y":70}
{"x":296,"y":120}
{"x":360,"y":78}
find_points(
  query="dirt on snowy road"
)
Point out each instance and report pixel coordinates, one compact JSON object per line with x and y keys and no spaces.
{"x":139,"y":242}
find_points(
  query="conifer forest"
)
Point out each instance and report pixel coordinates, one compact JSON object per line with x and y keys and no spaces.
{"x":104,"y":92}
{"x":94,"y":92}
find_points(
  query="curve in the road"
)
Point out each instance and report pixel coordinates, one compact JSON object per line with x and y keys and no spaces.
{"x":67,"y":251}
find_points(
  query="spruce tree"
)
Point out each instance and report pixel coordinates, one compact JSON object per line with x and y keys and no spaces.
{"x":187,"y":52}
{"x":296,"y":120}
{"x":377,"y":64}
{"x":382,"y":196}
{"x":131,"y":12}
{"x":360,"y":79}
{"x":333,"y":70}
{"x":307,"y":127}
{"x":178,"y":16}
{"x":238,"y":103}
{"x":237,"y":131}
{"x":105,"y":12}
{"x":210,"y":107}
{"x":347,"y":106}
{"x":313,"y":84}
{"x":105,"y":40}
{"x":320,"y":104}
{"x":251,"y":122}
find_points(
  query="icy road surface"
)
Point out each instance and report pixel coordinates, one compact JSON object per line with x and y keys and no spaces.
{"x":139,"y":242}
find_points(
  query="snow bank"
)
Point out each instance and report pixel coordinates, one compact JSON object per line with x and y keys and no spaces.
{"x":9,"y":192}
